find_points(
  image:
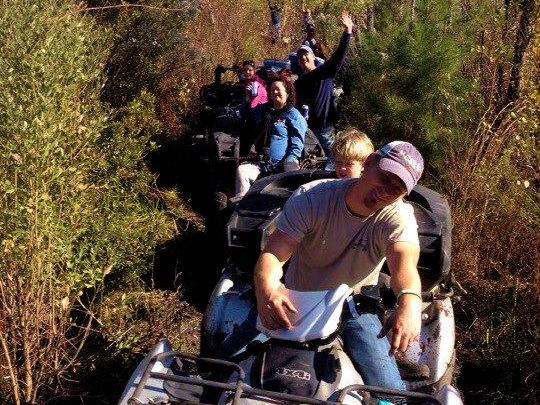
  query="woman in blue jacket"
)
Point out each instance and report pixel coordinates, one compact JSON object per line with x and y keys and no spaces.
{"x":282,"y":139}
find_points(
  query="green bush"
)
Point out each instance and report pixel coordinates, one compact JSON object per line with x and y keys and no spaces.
{"x":151,"y":53}
{"x":404,"y":79}
{"x":77,"y":201}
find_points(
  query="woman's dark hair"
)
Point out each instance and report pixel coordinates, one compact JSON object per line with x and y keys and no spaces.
{"x":249,"y":62}
{"x":289,"y":88}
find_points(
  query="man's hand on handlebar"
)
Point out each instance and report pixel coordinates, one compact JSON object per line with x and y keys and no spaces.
{"x":274,"y":308}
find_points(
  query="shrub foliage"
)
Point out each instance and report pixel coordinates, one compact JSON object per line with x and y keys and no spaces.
{"x":75,"y":197}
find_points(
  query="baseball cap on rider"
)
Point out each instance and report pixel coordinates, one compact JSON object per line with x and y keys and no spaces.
{"x":304,"y":49}
{"x":403,"y":160}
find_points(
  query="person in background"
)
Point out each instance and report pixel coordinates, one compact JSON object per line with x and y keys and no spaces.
{"x":276,"y":8}
{"x":256,"y":95}
{"x":255,"y":86}
{"x":281,"y":141}
{"x":315,"y":88}
{"x":311,"y":40}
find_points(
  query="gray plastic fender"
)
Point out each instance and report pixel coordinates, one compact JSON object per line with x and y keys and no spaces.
{"x":153,"y":389}
{"x":435,"y":347}
{"x":448,"y":395}
{"x":228,"y":307}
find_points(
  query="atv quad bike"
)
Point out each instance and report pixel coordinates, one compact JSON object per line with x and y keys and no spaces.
{"x":312,"y":367}
{"x":224,"y":115}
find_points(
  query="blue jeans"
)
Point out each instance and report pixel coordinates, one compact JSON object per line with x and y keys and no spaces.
{"x":325,"y":137}
{"x":369,"y":353}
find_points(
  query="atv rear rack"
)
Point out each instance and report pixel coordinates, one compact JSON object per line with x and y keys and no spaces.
{"x":240,"y":389}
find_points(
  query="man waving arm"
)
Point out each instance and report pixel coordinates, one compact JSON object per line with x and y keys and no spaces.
{"x":331,"y":67}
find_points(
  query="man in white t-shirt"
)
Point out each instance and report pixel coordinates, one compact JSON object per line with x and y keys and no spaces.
{"x":342,"y":232}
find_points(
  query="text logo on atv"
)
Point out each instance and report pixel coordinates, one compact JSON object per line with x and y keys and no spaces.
{"x":300,"y":374}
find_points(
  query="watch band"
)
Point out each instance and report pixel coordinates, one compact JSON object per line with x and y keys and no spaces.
{"x":408,"y":291}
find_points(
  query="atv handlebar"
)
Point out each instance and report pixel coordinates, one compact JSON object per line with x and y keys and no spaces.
{"x":386,"y":391}
{"x":241,"y":389}
{"x":220,"y":69}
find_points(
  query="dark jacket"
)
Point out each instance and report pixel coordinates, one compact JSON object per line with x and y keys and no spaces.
{"x":316,"y":88}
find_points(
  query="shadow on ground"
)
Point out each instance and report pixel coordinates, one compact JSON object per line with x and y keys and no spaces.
{"x":191,"y":262}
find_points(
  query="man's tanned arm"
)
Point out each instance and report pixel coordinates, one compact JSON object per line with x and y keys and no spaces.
{"x":402,"y":258}
{"x":272,"y":304}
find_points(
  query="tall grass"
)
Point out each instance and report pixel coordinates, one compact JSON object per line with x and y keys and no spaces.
{"x":493,"y":189}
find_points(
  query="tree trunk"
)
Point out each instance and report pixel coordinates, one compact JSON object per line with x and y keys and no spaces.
{"x":523,"y":37}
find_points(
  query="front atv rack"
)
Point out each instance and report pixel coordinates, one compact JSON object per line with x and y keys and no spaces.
{"x":242,"y":390}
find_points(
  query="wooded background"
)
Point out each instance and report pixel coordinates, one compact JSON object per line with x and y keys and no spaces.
{"x":98,"y":102}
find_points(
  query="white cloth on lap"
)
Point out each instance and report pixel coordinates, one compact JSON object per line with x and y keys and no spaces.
{"x":319,"y":313}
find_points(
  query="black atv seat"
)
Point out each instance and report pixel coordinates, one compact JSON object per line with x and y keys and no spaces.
{"x":217,"y":95}
{"x":432,"y":214}
{"x":253,"y":221}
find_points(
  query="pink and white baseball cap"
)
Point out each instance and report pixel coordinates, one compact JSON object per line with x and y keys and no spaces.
{"x":403,"y":160}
